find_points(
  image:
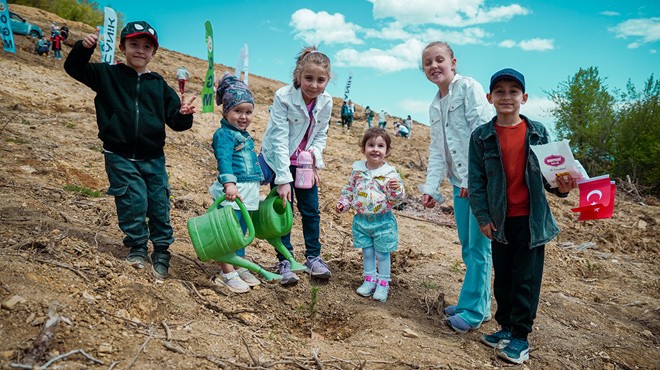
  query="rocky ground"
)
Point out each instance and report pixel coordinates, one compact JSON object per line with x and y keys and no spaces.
{"x":69,"y":301}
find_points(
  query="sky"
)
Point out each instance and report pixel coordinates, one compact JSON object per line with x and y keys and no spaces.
{"x":379,"y":42}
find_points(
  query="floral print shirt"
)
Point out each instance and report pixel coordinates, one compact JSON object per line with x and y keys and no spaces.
{"x":367,"y":191}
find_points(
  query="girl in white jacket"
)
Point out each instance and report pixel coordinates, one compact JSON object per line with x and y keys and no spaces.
{"x":299,"y":120}
{"x":458,"y":108}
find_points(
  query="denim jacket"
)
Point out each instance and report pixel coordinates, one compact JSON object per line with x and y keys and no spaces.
{"x":450,"y":133}
{"x":286,"y":128}
{"x":236,"y":155}
{"x":487,"y":183}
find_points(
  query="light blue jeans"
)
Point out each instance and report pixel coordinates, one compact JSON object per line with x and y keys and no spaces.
{"x":474,"y":300}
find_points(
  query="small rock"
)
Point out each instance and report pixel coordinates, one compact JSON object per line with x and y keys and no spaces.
{"x":642,"y":224}
{"x":88,"y":296}
{"x":12,"y":302}
{"x":30,"y":318}
{"x":105,"y":348}
{"x":39,"y":321}
{"x":408,"y":333}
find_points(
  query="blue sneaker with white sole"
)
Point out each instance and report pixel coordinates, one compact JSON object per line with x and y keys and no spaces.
{"x":517,"y":351}
{"x":497,"y":340}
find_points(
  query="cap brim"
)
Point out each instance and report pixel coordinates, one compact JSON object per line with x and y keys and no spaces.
{"x":136,"y":34}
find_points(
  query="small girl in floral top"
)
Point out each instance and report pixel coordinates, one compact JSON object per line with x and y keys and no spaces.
{"x":372,"y":190}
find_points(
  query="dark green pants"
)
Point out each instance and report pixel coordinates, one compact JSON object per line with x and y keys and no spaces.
{"x":518,"y":274}
{"x":142,"y":197}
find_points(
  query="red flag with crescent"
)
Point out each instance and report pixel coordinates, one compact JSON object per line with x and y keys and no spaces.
{"x":596,"y":198}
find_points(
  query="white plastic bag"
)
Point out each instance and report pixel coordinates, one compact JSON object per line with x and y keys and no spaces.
{"x":555,"y":159}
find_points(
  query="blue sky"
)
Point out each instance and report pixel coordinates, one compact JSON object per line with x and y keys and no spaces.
{"x":379,"y":42}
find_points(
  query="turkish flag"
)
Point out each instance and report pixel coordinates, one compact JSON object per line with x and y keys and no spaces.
{"x":596,"y":198}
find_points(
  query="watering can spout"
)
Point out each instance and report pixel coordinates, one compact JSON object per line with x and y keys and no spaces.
{"x":273,"y":220}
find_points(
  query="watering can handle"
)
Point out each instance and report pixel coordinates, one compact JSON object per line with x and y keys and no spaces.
{"x":244,"y":213}
{"x":287,"y":206}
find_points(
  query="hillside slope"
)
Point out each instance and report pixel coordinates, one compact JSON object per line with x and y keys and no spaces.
{"x":61,"y":251}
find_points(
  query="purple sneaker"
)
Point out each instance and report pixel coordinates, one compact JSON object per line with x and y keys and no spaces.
{"x":458,"y":325}
{"x":288,"y":277}
{"x":317,"y":268}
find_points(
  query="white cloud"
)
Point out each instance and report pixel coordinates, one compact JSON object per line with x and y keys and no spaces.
{"x":529,"y":45}
{"x":399,"y":57}
{"x":467,"y":36}
{"x":392,"y":31}
{"x":538,"y":109}
{"x":418,"y":109}
{"x":323,"y":27}
{"x":653,"y":51}
{"x":610,"y":13}
{"x":450,"y":13}
{"x":644,"y":30}
{"x":507,"y":44}
{"x":537,"y":44}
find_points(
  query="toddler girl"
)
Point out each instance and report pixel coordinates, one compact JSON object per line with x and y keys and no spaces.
{"x":298,"y":121}
{"x":239,"y":173}
{"x":372,"y":190}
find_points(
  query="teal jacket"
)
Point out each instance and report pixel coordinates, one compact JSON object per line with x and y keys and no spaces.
{"x":131,"y":109}
{"x":487,"y":183}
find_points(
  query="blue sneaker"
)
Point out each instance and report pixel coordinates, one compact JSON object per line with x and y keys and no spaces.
{"x":317,"y":268}
{"x":368,"y":287}
{"x":517,"y":351}
{"x":497,"y":340}
{"x":457,"y":324}
{"x":382,"y":291}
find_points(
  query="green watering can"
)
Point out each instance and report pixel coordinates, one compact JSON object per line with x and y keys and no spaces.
{"x":217,"y":235}
{"x":272,"y":221}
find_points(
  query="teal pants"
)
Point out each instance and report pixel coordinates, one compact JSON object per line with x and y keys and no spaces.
{"x":474,"y":300}
{"x":142,"y":198}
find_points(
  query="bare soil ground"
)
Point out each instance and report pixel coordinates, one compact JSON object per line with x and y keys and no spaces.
{"x":62,"y":257}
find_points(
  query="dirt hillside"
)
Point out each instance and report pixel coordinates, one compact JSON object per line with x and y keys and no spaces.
{"x":61,"y":258}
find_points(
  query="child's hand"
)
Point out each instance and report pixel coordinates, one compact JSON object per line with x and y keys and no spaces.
{"x":231,"y":192}
{"x":284,"y":191}
{"x":340,"y":208}
{"x":463,"y":193}
{"x":488,"y":229}
{"x":317,"y":178}
{"x":90,"y":40}
{"x":392,"y":184}
{"x":428,"y":201}
{"x":187,"y":108}
{"x":565,"y":183}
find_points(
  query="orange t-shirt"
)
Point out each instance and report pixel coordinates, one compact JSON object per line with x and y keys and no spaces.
{"x":514,"y":159}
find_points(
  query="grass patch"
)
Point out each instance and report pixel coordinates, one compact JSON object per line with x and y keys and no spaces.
{"x":83,"y":190}
{"x":16,"y":141}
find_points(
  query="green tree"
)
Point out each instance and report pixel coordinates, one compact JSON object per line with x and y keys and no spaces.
{"x":637,"y":145}
{"x":584,"y":114}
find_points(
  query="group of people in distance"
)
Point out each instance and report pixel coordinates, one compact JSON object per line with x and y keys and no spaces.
{"x":501,"y":211}
{"x":54,"y":42}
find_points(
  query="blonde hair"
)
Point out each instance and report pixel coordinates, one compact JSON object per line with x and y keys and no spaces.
{"x":309,"y":54}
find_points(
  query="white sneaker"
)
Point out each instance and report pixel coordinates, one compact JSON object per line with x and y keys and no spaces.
{"x":248,"y":277}
{"x":232,"y":281}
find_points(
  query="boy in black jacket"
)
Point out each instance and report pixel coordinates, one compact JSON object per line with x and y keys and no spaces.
{"x":132,"y":107}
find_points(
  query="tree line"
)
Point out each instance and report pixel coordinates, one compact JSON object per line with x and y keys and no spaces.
{"x":616,"y":133}
{"x":84,"y":11}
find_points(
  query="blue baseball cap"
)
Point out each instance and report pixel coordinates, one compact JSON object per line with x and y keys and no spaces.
{"x":507,"y":74}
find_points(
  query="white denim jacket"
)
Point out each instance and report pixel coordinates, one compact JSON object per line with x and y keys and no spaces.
{"x":286,"y":128}
{"x":468,"y":109}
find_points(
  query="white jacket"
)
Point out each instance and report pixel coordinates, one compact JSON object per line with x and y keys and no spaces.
{"x":468,"y":109}
{"x":286,"y":128}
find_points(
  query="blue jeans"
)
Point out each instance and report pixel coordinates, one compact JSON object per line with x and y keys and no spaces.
{"x":474,"y":300}
{"x":308,"y":206}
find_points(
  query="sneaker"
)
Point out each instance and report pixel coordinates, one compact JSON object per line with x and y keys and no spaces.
{"x":517,"y":351}
{"x":317,"y":268}
{"x":160,"y":264}
{"x":457,"y":324}
{"x":232,"y":281}
{"x":248,"y":277}
{"x":288,"y":277}
{"x":451,"y":311}
{"x":497,"y":340}
{"x":368,"y":287}
{"x":382,"y":290}
{"x":137,"y":257}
